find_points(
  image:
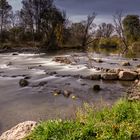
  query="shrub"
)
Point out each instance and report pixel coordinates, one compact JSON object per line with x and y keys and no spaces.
{"x":135,"y":46}
{"x":108,"y":43}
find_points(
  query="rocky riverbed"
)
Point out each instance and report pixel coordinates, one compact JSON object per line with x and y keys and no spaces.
{"x":39,"y":86}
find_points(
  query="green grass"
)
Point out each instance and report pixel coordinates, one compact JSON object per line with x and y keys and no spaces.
{"x":121,"y":122}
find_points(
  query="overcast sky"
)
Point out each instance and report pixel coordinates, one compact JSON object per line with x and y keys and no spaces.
{"x":78,"y":9}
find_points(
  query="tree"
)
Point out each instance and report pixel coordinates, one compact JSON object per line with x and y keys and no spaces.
{"x":105,"y":30}
{"x":52,"y":24}
{"x":5,"y":10}
{"x":42,"y":17}
{"x":88,"y":31}
{"x":118,"y":18}
{"x":131,"y":24}
{"x":82,"y":32}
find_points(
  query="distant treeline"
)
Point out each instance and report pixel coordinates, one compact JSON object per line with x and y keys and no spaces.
{"x":40,"y":23}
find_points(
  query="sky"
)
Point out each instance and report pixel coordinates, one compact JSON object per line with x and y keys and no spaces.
{"x":78,"y":10}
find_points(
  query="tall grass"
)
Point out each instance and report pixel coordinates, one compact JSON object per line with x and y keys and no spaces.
{"x":121,"y":122}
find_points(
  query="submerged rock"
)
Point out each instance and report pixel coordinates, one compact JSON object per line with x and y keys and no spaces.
{"x":98,"y":60}
{"x":19,"y":132}
{"x":127,"y":75}
{"x":27,"y":77}
{"x":43,"y":83}
{"x":94,"y":76}
{"x":9,"y":63}
{"x":15,"y":54}
{"x":64,"y":60}
{"x":110,"y":76}
{"x":23,"y":83}
{"x":96,"y":88}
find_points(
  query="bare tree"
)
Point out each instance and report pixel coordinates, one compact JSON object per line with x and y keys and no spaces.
{"x":105,"y":30}
{"x":118,"y":18}
{"x":88,"y":31}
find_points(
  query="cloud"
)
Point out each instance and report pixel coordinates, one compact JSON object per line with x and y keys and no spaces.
{"x":78,"y":9}
{"x":104,"y":7}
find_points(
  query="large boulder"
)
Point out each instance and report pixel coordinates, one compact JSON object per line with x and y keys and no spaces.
{"x":19,"y":132}
{"x":110,"y":76}
{"x":127,"y":75}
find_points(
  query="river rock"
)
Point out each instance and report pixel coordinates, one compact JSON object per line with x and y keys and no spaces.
{"x":15,"y":54}
{"x":64,"y":60}
{"x":117,"y":70}
{"x":57,"y":92}
{"x":110,"y":76}
{"x":135,"y":59}
{"x":95,"y":76}
{"x":96,"y":87}
{"x":19,"y":132}
{"x":66,"y":93}
{"x":98,"y":60}
{"x":125,"y":64}
{"x":23,"y":83}
{"x":138,"y":66}
{"x":42,"y":83}
{"x":9,"y":64}
{"x":127,"y":75}
{"x":27,"y":77}
{"x":138,"y":70}
{"x":139,"y":75}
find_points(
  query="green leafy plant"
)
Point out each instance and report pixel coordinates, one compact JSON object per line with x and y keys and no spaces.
{"x":121,"y":122}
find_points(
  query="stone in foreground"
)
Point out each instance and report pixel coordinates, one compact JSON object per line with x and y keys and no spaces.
{"x":19,"y":132}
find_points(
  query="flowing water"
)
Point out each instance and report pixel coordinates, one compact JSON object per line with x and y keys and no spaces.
{"x":37,"y":102}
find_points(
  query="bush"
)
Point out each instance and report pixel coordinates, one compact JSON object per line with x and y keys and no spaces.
{"x":135,"y":47}
{"x":108,"y":43}
{"x":121,"y":122}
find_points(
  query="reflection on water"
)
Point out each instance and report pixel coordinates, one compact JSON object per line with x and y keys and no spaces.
{"x":108,"y":51}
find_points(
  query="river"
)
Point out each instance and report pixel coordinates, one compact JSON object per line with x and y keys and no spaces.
{"x":37,"y":102}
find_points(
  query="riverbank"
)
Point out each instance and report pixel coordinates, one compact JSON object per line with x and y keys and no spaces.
{"x":118,"y":122}
{"x":134,"y":91}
